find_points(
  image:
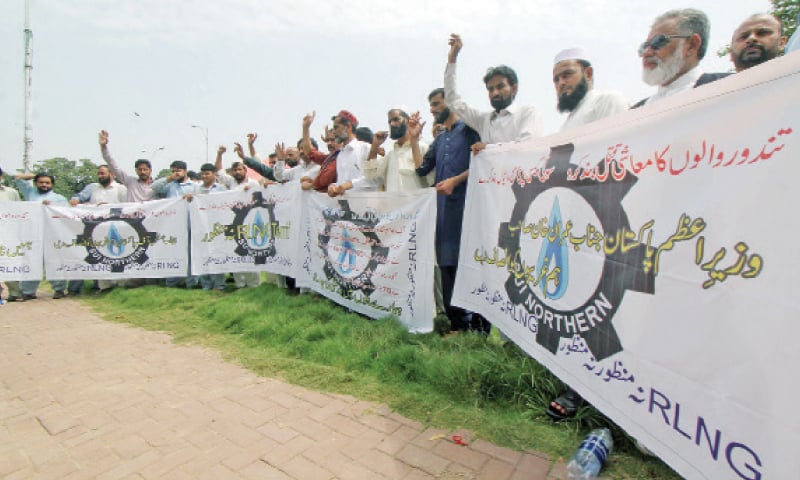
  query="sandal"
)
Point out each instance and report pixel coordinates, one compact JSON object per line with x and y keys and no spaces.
{"x":570,"y":401}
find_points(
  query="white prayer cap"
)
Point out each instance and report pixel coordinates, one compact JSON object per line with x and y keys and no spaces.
{"x":574,"y":53}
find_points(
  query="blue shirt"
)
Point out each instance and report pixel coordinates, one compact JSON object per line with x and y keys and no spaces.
{"x":449,"y":155}
{"x":173,"y":189}
{"x":31,"y":194}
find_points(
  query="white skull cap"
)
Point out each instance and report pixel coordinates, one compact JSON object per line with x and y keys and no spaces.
{"x":574,"y":53}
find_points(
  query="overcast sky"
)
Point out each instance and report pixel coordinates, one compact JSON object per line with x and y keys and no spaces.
{"x":236,"y":66}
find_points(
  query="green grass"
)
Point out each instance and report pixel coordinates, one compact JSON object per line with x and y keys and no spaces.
{"x":463,"y":381}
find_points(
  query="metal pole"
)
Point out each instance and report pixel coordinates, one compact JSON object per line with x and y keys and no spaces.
{"x":26,"y":153}
{"x":205,"y":132}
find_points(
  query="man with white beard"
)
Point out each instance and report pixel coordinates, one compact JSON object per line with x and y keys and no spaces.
{"x":678,"y":40}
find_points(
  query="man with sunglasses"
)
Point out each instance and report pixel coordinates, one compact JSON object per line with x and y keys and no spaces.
{"x":678,"y":40}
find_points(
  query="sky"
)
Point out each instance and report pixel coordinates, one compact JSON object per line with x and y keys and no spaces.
{"x":147,"y":70}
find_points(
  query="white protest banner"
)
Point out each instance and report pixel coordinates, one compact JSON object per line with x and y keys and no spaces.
{"x":372,"y":252}
{"x":649,"y":261}
{"x":246,"y":231}
{"x":117,"y":241}
{"x":20,"y":241}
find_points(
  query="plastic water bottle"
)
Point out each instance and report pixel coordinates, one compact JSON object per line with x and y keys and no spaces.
{"x":591,"y":455}
{"x":794,"y":41}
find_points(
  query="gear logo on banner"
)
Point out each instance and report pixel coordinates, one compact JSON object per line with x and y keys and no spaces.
{"x":253,"y":229}
{"x":344,"y":243}
{"x":115,"y":240}
{"x":544,"y":219}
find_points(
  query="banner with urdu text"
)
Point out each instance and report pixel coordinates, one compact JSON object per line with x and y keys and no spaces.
{"x":117,"y":241}
{"x":650,"y":260}
{"x":240,"y":231}
{"x":373,"y":253}
{"x":20,"y":241}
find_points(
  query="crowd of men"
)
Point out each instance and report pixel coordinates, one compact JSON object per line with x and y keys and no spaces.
{"x":355,"y":159}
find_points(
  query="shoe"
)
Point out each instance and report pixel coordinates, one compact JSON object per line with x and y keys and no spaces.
{"x":58,"y":295}
{"x":101,"y":291}
{"x":14,"y":298}
{"x":29,"y":297}
{"x":570,"y":401}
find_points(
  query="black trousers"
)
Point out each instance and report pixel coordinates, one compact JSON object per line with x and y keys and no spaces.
{"x":460,"y":319}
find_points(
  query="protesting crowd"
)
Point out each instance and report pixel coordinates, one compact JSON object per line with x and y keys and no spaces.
{"x":354,"y":158}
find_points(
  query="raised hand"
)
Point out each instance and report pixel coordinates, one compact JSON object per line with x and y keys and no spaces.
{"x":308,"y":119}
{"x":221,"y":150}
{"x":379,"y":137}
{"x":251,"y":138}
{"x":238,"y":150}
{"x":280,"y":151}
{"x":455,"y":47}
{"x":327,"y":135}
{"x":415,"y":126}
{"x":102,"y":138}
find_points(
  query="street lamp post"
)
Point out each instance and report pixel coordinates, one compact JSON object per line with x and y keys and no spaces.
{"x":205,"y":132}
{"x":153,"y":153}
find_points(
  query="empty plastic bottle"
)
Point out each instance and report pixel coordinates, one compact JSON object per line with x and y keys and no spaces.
{"x":591,"y":455}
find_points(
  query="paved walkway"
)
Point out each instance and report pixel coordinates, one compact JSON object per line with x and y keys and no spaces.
{"x":82,"y":398}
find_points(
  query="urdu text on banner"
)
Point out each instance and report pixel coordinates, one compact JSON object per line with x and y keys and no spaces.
{"x":21,"y":241}
{"x":649,"y":260}
{"x":117,"y":241}
{"x":239,"y":231}
{"x":373,"y":253}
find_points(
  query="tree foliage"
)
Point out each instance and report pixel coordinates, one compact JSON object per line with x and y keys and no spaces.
{"x":70,"y":176}
{"x":786,"y":11}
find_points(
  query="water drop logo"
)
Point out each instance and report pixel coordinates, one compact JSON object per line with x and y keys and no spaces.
{"x":114,"y":242}
{"x":108,"y":247}
{"x":260,"y":244}
{"x":552,"y":256}
{"x":348,"y":254}
{"x":259,"y":231}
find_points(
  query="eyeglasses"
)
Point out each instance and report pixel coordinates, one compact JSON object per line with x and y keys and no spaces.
{"x":658,"y":42}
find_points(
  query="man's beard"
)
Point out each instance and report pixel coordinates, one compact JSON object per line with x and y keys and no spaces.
{"x":443,"y":115}
{"x":340,"y":139}
{"x":44,"y":190}
{"x":500,"y":102}
{"x":291,"y":163}
{"x":104,"y":181}
{"x":398,"y":132}
{"x":239,"y":177}
{"x":181,"y":179}
{"x":569,"y":101}
{"x":665,"y":70}
{"x":743,"y":63}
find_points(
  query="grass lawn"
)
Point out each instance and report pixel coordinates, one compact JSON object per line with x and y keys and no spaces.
{"x":462,"y":381}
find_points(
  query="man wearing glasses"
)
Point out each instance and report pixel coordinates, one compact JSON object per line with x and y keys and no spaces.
{"x":678,"y":40}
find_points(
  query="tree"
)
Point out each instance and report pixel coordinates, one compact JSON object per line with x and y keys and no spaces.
{"x":786,"y":11}
{"x":71,"y":176}
{"x":165,"y":172}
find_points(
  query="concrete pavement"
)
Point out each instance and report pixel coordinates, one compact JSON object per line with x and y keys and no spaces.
{"x":82,"y":398}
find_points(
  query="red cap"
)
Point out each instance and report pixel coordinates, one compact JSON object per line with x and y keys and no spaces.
{"x":347,"y":116}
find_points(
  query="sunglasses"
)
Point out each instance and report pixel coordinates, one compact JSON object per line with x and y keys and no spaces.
{"x":659,"y":41}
